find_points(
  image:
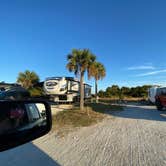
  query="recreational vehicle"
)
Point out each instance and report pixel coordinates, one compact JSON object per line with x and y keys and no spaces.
{"x":65,"y":89}
{"x":152,"y":94}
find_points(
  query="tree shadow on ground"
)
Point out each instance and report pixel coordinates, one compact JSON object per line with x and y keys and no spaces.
{"x":139,"y":111}
{"x":130,"y":110}
{"x":26,"y":155}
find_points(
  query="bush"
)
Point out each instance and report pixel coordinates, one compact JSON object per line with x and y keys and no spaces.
{"x":116,"y":92}
{"x":36,"y":92}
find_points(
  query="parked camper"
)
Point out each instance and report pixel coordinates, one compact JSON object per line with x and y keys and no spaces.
{"x":65,"y":89}
{"x":152,"y":94}
{"x":161,"y":98}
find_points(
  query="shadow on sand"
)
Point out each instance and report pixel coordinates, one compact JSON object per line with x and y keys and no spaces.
{"x":138,"y":111}
{"x":131,"y":110}
{"x":26,"y":155}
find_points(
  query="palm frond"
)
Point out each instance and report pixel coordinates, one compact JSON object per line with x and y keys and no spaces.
{"x":27,"y":79}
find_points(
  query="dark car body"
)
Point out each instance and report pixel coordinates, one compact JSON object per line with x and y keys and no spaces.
{"x":161,"y":98}
{"x":15,"y":93}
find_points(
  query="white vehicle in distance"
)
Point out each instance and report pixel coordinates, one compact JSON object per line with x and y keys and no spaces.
{"x":152,"y":94}
{"x":65,"y":89}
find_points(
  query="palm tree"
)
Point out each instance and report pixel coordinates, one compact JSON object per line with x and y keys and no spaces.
{"x":80,"y":61}
{"x":27,"y":79}
{"x":97,"y":70}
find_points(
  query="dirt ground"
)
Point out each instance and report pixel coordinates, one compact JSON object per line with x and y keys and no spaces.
{"x":135,"y":136}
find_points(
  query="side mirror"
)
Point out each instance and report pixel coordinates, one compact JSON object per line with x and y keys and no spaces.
{"x":23,"y":121}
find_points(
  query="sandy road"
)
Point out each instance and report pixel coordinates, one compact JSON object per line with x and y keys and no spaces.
{"x":135,"y":136}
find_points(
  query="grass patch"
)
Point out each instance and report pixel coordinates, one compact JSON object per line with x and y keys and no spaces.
{"x":125,"y":99}
{"x":103,"y":107}
{"x":75,"y":118}
{"x":93,"y":113}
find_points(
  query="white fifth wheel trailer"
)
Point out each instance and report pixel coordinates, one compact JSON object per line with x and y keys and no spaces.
{"x":65,"y":89}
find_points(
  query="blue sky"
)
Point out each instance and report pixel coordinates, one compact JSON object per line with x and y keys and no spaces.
{"x":128,"y":37}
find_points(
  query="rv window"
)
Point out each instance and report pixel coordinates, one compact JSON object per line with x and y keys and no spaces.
{"x":150,"y":93}
{"x":73,"y":84}
{"x":158,"y":92}
{"x":51,"y":84}
{"x":163,"y":92}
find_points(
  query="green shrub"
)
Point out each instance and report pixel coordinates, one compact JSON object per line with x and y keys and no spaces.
{"x":36,"y":92}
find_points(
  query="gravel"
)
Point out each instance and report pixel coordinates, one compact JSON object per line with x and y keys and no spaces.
{"x":133,"y":137}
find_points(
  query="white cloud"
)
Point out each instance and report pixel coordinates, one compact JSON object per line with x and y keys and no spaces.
{"x":143,"y":67}
{"x":152,"y":73}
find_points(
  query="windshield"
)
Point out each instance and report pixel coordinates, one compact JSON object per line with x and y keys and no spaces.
{"x":2,"y":95}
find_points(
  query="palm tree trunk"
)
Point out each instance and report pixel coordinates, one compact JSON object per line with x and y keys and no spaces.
{"x":96,"y":90}
{"x":82,"y":92}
